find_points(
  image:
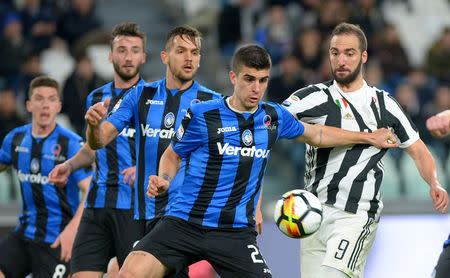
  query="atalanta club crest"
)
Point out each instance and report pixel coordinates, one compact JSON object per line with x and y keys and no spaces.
{"x":247,"y":137}
{"x":34,"y":165}
{"x":169,"y":120}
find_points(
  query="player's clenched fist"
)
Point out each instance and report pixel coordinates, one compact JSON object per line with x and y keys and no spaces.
{"x":156,"y":185}
{"x":95,"y":115}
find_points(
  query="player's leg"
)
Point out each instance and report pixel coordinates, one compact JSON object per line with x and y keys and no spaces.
{"x":93,"y":246}
{"x":202,"y":269}
{"x":312,"y":253}
{"x":113,"y":268}
{"x":235,"y":254}
{"x":166,"y":250}
{"x":14,"y":259}
{"x":443,"y":265}
{"x":349,"y":240}
{"x":46,"y":261}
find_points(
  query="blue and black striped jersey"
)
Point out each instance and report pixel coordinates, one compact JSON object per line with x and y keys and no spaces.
{"x":227,"y":154}
{"x":46,"y":209}
{"x":157,"y":113}
{"x":107,"y":188}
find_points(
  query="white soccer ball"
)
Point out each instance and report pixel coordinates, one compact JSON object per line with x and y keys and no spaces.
{"x":298,"y":213}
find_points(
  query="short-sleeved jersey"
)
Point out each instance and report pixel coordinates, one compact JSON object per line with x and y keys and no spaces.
{"x":157,"y":113}
{"x":227,"y":155}
{"x":349,"y":177}
{"x":46,"y":209}
{"x":107,"y":188}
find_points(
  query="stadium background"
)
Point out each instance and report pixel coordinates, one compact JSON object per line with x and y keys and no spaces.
{"x":409,"y":56}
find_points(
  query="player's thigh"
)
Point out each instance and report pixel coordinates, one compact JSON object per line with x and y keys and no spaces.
{"x":312,"y":253}
{"x":175,"y":243}
{"x":126,"y":232}
{"x":350,"y":238}
{"x":235,"y":254}
{"x":93,"y":246}
{"x":14,"y":258}
{"x":443,"y":265}
{"x":46,"y":262}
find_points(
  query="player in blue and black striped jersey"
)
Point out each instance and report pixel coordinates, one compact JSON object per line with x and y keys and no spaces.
{"x":107,"y":228}
{"x":226,"y":145}
{"x":42,"y":242}
{"x":155,"y":110}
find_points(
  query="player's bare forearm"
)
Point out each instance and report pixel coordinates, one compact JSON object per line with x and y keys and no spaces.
{"x":100,"y":136}
{"x":427,"y":168}
{"x":169,"y":164}
{"x":82,"y":159}
{"x":327,"y":136}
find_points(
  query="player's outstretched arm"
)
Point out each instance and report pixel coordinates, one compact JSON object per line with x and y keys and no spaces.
{"x":427,"y":168}
{"x":67,"y":236}
{"x":99,"y":134}
{"x":169,"y":164}
{"x":82,"y":159}
{"x":439,"y":125}
{"x":327,"y":136}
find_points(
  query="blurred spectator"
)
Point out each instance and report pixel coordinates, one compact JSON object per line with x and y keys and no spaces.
{"x":39,"y":24}
{"x":9,"y":118}
{"x":78,"y":21}
{"x":288,"y":80}
{"x":307,"y":48}
{"x":425,"y":85}
{"x":366,"y":14}
{"x":56,"y":61}
{"x":30,"y":69}
{"x":438,"y":57}
{"x":13,"y":46}
{"x":332,"y":13}
{"x":274,"y":33}
{"x":235,"y":25}
{"x":406,"y":96}
{"x":77,"y":87}
{"x":392,"y":56}
{"x":374,"y":76}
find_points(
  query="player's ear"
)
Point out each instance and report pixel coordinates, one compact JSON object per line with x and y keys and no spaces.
{"x":110,"y":57}
{"x":364,"y":57}
{"x":164,"y":57}
{"x":233,"y":77}
{"x":28,"y":105}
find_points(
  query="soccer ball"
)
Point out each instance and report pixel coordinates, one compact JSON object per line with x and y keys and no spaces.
{"x":298,"y":213}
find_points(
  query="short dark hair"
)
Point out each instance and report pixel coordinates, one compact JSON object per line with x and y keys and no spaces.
{"x":43,"y":81}
{"x":193,"y":35}
{"x":351,"y":29}
{"x":129,"y":29}
{"x":252,"y":56}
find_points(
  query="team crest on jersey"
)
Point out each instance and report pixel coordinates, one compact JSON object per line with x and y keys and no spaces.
{"x":194,"y":101}
{"x":169,"y":120}
{"x":294,"y":98}
{"x":180,"y":132}
{"x":247,"y":137}
{"x":34,"y":165}
{"x":267,"y":120}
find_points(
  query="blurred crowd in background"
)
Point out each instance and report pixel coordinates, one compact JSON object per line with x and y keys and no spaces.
{"x":53,"y":37}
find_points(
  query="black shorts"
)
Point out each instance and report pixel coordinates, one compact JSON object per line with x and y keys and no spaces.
{"x":20,"y":256}
{"x":443,"y":265}
{"x":233,"y":253}
{"x":104,"y":233}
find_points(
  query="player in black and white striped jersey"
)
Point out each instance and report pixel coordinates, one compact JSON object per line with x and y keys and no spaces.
{"x":347,"y":179}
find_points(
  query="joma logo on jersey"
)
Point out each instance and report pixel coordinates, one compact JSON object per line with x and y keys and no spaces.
{"x":33,"y":178}
{"x":128,"y":132}
{"x":154,"y":102}
{"x":20,"y":149}
{"x":155,"y":132}
{"x":226,"y":129}
{"x":232,"y":150}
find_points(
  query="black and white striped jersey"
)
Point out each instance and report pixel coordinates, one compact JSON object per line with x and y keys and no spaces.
{"x":349,"y":177}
